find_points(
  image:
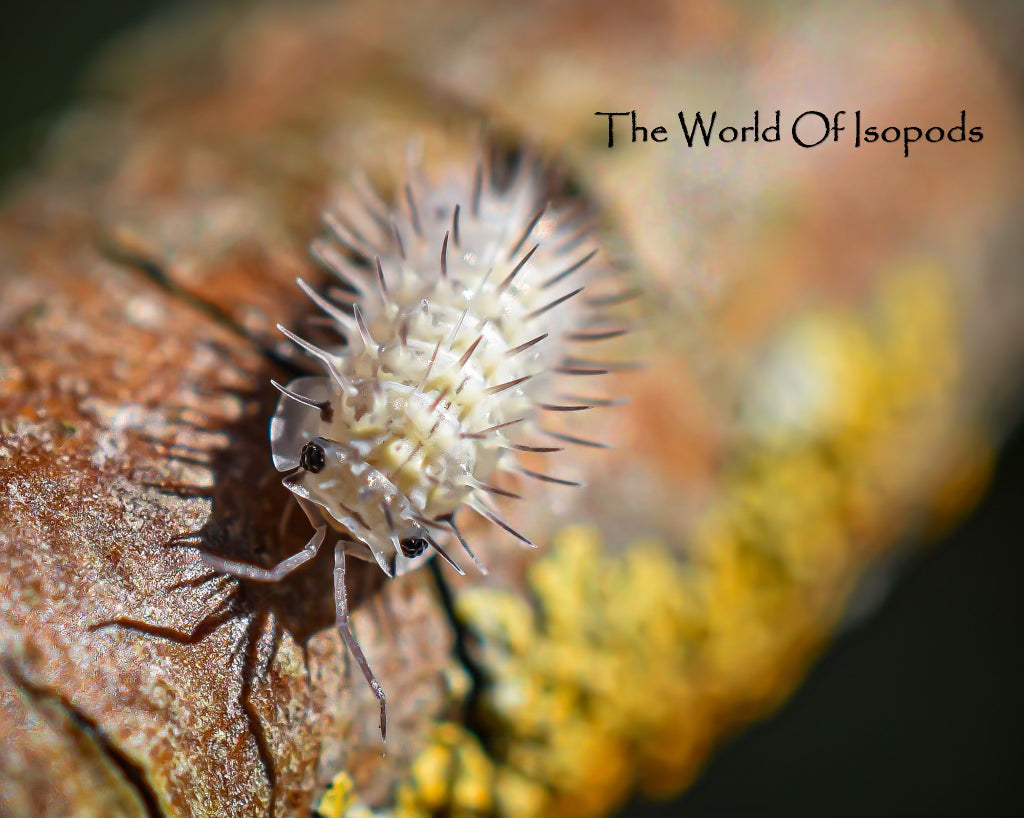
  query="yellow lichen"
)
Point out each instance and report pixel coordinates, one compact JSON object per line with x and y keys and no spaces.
{"x":625,"y":667}
{"x":452,"y":774}
{"x":340,"y":800}
{"x":574,"y":695}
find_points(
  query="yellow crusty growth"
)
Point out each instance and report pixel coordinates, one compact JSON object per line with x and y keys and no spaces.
{"x":340,"y":800}
{"x":629,"y":666}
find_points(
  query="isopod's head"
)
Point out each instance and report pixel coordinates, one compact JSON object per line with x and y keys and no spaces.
{"x":336,"y":486}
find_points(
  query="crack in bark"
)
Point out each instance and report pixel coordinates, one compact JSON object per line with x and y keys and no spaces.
{"x":252,"y":638}
{"x":154,"y":272}
{"x":247,"y":649}
{"x":477,"y":676}
{"x":134,"y":774}
{"x":247,"y":645}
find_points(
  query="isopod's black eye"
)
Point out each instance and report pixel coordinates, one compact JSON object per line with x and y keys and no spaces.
{"x":413,"y":546}
{"x":313,"y":457}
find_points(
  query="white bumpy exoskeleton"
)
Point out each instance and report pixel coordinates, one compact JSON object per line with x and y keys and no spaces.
{"x":456,"y":309}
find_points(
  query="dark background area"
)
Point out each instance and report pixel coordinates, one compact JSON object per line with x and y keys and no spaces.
{"x":44,"y":49}
{"x":918,"y":710}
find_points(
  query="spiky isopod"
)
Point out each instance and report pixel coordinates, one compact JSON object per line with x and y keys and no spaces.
{"x":455,"y":312}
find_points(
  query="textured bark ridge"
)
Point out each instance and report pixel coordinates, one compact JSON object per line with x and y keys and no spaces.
{"x":131,"y":416}
{"x":144,"y":264}
{"x":136,"y":352}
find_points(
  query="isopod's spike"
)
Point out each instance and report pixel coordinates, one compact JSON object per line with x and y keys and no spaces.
{"x":450,"y":520}
{"x":444,"y":256}
{"x":403,"y":331}
{"x":469,"y":352}
{"x":430,"y":366}
{"x":568,"y":271}
{"x":458,"y":324}
{"x":324,"y":406}
{"x":378,"y":390}
{"x":322,"y":321}
{"x":341,"y":619}
{"x":398,"y":239}
{"x":527,"y":345}
{"x":414,"y":212}
{"x":348,"y":237}
{"x":484,"y":432}
{"x":614,"y":298}
{"x":526,"y":233}
{"x":579,"y":370}
{"x":547,"y":478}
{"x":596,"y":321}
{"x":425,"y":521}
{"x":350,"y":296}
{"x":437,"y":401}
{"x":370,"y":198}
{"x":381,"y":282}
{"x":554,"y":407}
{"x":441,"y":552}
{"x":605,"y":366}
{"x":364,"y":332}
{"x":575,"y":238}
{"x":501,"y":387}
{"x":345,"y":320}
{"x":579,"y":441}
{"x":478,"y":186}
{"x":455,"y":225}
{"x":321,"y":355}
{"x":601,"y":402}
{"x":495,"y":490}
{"x":522,"y":447}
{"x":486,"y":513}
{"x":595,"y":336}
{"x":329,"y":257}
{"x":553,"y":304}
{"x":515,"y":270}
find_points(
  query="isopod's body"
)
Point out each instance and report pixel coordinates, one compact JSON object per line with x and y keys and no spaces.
{"x":455,"y":310}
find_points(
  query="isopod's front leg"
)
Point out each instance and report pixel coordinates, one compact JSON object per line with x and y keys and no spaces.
{"x":286,"y":516}
{"x":244,"y":570}
{"x":341,"y":612}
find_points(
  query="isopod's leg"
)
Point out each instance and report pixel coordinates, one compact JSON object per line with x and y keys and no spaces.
{"x":286,"y":515}
{"x":244,"y":570}
{"x":341,"y":612}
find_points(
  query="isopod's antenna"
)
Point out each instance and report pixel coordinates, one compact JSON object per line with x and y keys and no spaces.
{"x":341,"y":614}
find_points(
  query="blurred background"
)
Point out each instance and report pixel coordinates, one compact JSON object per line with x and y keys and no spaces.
{"x":916,"y":707}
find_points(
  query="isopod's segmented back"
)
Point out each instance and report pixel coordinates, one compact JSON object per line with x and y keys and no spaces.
{"x":456,"y":310}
